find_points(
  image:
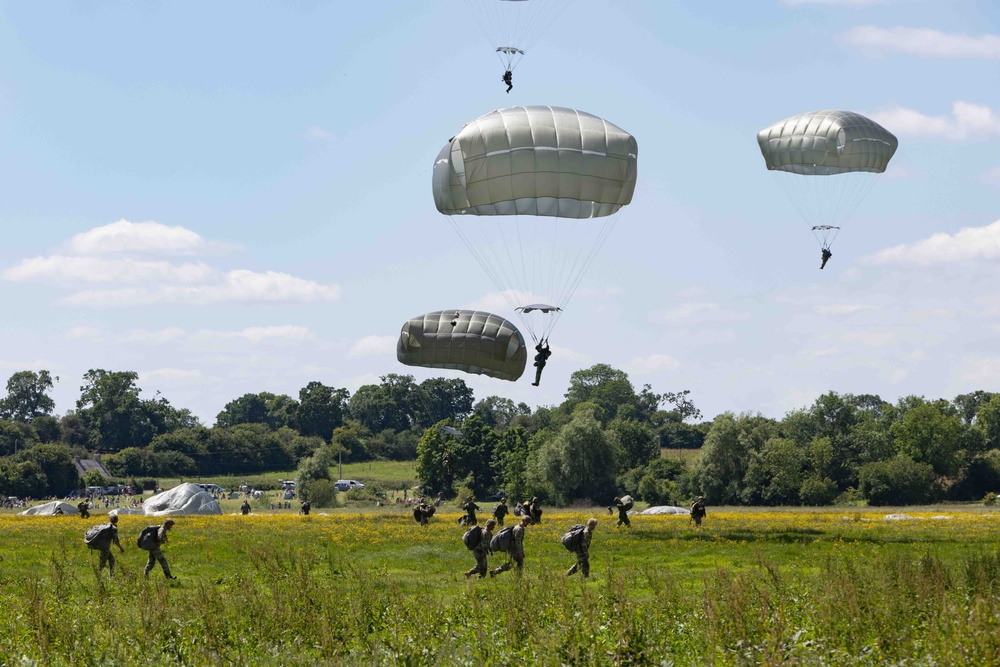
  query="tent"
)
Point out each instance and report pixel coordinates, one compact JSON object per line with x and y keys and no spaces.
{"x":182,"y":499}
{"x":666,"y":509}
{"x":49,"y":509}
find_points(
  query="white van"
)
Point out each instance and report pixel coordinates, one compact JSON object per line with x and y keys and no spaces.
{"x":347,"y":485}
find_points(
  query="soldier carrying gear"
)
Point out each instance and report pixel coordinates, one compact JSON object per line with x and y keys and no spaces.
{"x":151,"y":539}
{"x":698,"y":510}
{"x":102,"y":538}
{"x":535,"y":510}
{"x":624,"y":504}
{"x":482,"y":550}
{"x":583,"y":550}
{"x":84,"y":508}
{"x":516,"y":549}
{"x":245,"y":507}
{"x":500,"y":511}
{"x":470,"y":508}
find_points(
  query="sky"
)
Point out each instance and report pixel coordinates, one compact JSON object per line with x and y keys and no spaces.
{"x":235,"y":197}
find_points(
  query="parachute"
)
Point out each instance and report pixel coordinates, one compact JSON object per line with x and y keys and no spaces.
{"x":534,"y":193}
{"x":467,"y":340}
{"x":847,"y":148}
{"x":513,"y":26}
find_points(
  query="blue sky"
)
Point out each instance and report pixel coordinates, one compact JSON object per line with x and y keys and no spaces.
{"x":234,"y":197}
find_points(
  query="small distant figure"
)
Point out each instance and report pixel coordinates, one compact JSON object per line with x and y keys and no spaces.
{"x":516,"y":549}
{"x":59,"y":510}
{"x":245,"y":508}
{"x":535,"y":510}
{"x":826,"y":257}
{"x":151,"y":539}
{"x":508,"y":78}
{"x":304,"y":509}
{"x":470,"y":508}
{"x":440,"y":499}
{"x":582,"y":551}
{"x":698,"y":510}
{"x":422,"y":512}
{"x":541,"y":359}
{"x":500,"y":511}
{"x":102,"y":538}
{"x":84,"y":508}
{"x":623,"y":504}
{"x":482,"y":550}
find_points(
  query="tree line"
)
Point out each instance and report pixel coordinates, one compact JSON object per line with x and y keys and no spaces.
{"x":605,"y":439}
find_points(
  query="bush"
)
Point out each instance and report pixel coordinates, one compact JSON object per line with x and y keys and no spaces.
{"x":94,"y":478}
{"x":816,"y":491}
{"x":371,"y":494}
{"x":898,"y":481}
{"x":320,"y":493}
{"x":148,"y":484}
{"x":990,"y":499}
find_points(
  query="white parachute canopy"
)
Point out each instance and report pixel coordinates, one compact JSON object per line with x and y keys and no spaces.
{"x":49,"y":509}
{"x":826,"y":162}
{"x":534,"y":192}
{"x":666,"y":509}
{"x":512,"y":27}
{"x":182,"y":499}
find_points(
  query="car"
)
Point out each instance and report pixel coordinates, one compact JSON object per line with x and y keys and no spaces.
{"x":347,"y":485}
{"x":212,"y":488}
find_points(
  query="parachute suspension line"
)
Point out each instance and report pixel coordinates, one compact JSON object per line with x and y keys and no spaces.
{"x":488,"y":268}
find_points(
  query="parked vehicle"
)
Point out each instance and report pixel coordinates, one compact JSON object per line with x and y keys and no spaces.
{"x":347,"y":485}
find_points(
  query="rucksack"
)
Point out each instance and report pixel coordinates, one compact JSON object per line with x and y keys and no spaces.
{"x":147,"y":538}
{"x":98,"y":537}
{"x":627,"y":503}
{"x":473,"y":537}
{"x":503,"y":540}
{"x":571,"y":538}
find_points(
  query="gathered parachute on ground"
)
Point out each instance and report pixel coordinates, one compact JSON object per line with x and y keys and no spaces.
{"x":534,"y":193}
{"x":513,"y":26}
{"x":466,"y":340}
{"x":826,"y":162}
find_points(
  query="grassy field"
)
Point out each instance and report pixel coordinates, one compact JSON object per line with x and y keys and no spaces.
{"x":373,"y":588}
{"x":389,"y":474}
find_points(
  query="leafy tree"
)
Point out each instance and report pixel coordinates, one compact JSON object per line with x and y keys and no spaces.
{"x":982,"y":476}
{"x":968,"y":405}
{"x":320,"y":493}
{"x":313,"y":468}
{"x":94,"y":478}
{"x":472,"y":455}
{"x":634,"y":443}
{"x":321,"y":410}
{"x":442,"y":399}
{"x":27,"y":396}
{"x":818,"y":491}
{"x":987,"y":419}
{"x":392,"y":404}
{"x":499,"y":413}
{"x":15,"y":436}
{"x":349,"y":441}
{"x":775,"y":473}
{"x":432,"y":468}
{"x":580,"y":461}
{"x":266,"y":408}
{"x":582,"y":383}
{"x":56,"y":462}
{"x":510,"y":462}
{"x":897,"y":481}
{"x":73,"y":430}
{"x":115,"y":416}
{"x":927,"y":435}
{"x":729,"y":446}
{"x":392,"y":445}
{"x":46,"y":427}
{"x":24,"y":479}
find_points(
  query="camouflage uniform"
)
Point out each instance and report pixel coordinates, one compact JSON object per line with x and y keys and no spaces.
{"x":470,"y":508}
{"x":84,"y":508}
{"x":698,"y":510}
{"x":535,"y":511}
{"x":106,"y":556}
{"x":245,"y":507}
{"x":500,"y":511}
{"x":156,"y":555}
{"x":624,"y":505}
{"x":516,"y":550}
{"x":481,"y":551}
{"x":583,"y":551}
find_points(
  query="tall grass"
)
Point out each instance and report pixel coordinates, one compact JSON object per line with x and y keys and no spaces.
{"x":376,"y":589}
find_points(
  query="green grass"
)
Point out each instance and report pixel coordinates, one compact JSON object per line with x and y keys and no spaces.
{"x":347,"y":587}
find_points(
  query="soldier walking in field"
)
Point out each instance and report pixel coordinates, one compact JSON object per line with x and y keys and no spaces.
{"x":500,"y":511}
{"x":482,"y":550}
{"x":698,"y":510}
{"x":583,"y":550}
{"x":102,"y":538}
{"x":151,"y":539}
{"x":245,"y":508}
{"x":535,"y":510}
{"x":624,"y":504}
{"x":470,"y":508}
{"x":516,"y":549}
{"x":84,"y":508}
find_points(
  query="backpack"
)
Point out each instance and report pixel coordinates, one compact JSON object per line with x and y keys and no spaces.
{"x":503,"y":540}
{"x":627,"y":503}
{"x":147,"y":538}
{"x":473,"y":537}
{"x":571,"y":538}
{"x":98,"y":537}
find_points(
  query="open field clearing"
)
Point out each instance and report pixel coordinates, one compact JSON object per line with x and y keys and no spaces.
{"x":775,"y":587}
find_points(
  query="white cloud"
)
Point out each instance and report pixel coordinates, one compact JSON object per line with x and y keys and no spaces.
{"x":496,"y":302}
{"x":968,"y":121}
{"x":812,"y":354}
{"x":37,"y":364}
{"x":969,"y":243}
{"x":141,"y":237}
{"x":316,"y":133}
{"x":921,"y":42}
{"x":991,"y":177}
{"x":238,"y":285}
{"x":89,"y":333}
{"x":844,"y":308}
{"x":155,"y":337}
{"x":168,"y":375}
{"x":287,"y":332}
{"x":71,"y":270}
{"x":981,"y":371}
{"x":869,"y":338}
{"x":653,"y":363}
{"x":686,"y":311}
{"x":372,"y":346}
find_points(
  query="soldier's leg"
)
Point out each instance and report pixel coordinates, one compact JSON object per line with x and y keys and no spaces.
{"x":163,"y":564}
{"x":571,"y":571}
{"x":583,"y":560}
{"x":150,"y":562}
{"x":105,"y":555}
